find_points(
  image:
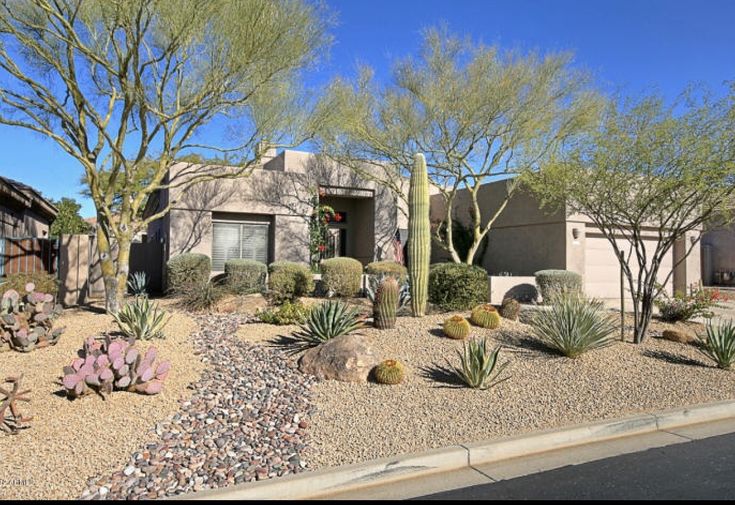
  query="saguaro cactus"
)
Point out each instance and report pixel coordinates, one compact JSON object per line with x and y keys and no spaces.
{"x":385,"y":304}
{"x":419,"y":236}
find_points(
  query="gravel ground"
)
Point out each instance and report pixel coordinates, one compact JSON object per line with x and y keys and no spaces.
{"x":245,"y":421}
{"x":69,"y":440}
{"x":358,"y":422}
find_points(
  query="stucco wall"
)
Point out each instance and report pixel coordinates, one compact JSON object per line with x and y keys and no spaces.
{"x":281,"y":189}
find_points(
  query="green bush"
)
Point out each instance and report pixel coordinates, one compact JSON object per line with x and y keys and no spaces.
{"x":573,"y":325}
{"x":245,"y":277}
{"x":45,"y":283}
{"x":392,"y":268}
{"x":456,"y":286}
{"x":202,"y":296}
{"x":288,"y":280}
{"x":187,"y":270}
{"x":557,"y":282}
{"x":286,"y":313}
{"x":342,"y":276}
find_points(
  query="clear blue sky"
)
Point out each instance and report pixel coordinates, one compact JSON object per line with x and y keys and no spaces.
{"x":631,"y":46}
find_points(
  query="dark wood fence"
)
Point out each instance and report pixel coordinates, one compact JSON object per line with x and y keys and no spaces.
{"x":28,"y":255}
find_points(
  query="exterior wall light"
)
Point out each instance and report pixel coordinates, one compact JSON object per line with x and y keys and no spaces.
{"x":575,"y":233}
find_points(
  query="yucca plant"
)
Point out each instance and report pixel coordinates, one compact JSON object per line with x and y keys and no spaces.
{"x":328,"y":320}
{"x":718,"y":343}
{"x":138,"y":284}
{"x":573,"y":325}
{"x":478,"y":365}
{"x":141,"y":319}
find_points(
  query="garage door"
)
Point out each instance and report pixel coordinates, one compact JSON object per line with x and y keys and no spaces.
{"x":602,"y":269}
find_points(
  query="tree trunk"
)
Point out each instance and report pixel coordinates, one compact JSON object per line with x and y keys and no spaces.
{"x":114,"y":270}
{"x":643,"y":316}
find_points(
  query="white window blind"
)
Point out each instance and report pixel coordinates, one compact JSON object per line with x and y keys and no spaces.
{"x":238,"y":240}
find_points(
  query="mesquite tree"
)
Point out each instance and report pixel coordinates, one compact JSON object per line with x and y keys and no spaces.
{"x":126,"y":86}
{"x":475,"y":112}
{"x":650,"y":174}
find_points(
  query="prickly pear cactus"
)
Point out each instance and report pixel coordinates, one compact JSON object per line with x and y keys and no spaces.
{"x":26,"y":322}
{"x":457,"y":327}
{"x":485,"y":315}
{"x":385,"y":304}
{"x":390,"y":371}
{"x":419,"y":239}
{"x":107,"y":365}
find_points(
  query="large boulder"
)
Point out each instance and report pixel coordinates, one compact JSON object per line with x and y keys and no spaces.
{"x":348,"y":358}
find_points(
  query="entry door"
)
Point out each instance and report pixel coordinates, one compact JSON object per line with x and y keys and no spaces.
{"x":334,"y":246}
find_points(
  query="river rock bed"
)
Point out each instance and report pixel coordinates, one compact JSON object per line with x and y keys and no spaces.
{"x":246,"y":420}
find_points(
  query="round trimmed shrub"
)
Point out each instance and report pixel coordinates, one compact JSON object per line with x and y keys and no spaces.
{"x":287,"y":280}
{"x":342,"y":276}
{"x":187,"y":270}
{"x":392,"y":268}
{"x":456,"y":286}
{"x":245,"y":277}
{"x":556,"y":282}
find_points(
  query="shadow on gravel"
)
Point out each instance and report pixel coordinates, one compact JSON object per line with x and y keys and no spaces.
{"x":287,"y":344}
{"x":442,"y":374}
{"x":674,"y":359}
{"x":528,"y":346}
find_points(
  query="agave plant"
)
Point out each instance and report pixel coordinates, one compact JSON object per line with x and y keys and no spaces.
{"x":718,"y":343}
{"x":478,"y":365}
{"x":141,"y":319}
{"x":573,"y":325}
{"x":328,"y":320}
{"x":138,"y":284}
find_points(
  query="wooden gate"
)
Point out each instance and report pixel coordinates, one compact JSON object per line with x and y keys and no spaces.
{"x":28,"y":255}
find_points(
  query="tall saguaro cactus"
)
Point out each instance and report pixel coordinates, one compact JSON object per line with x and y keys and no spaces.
{"x":419,"y":236}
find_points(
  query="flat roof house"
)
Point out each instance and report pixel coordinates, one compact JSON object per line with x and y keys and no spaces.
{"x":265,"y":216}
{"x":526,"y":238}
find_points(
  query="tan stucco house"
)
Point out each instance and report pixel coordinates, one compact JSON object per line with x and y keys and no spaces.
{"x":265,"y":216}
{"x":526,"y":238}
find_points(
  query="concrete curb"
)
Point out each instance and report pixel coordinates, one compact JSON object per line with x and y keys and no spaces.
{"x":407,"y":466}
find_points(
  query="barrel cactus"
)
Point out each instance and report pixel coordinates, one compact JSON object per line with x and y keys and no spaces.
{"x":106,"y":365}
{"x":510,"y":309}
{"x":390,"y":371}
{"x":457,"y":327}
{"x":419,"y":239}
{"x":385,"y":304}
{"x":485,"y":315}
{"x":26,"y":321}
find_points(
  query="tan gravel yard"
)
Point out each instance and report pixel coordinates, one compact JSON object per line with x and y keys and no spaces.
{"x":71,"y":440}
{"x":358,"y":422}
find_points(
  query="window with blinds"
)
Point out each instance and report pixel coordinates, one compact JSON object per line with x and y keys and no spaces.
{"x":238,"y":240}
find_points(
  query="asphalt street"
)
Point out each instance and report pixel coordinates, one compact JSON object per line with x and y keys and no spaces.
{"x":698,"y":470}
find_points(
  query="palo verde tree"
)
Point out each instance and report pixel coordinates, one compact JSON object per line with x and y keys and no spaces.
{"x":126,"y":87}
{"x":476,"y":112}
{"x":650,"y":174}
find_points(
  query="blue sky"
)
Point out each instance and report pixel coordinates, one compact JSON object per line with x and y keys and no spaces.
{"x":631,"y":46}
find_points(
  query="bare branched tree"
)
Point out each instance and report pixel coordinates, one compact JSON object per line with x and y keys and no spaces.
{"x":476,"y":113}
{"x":126,"y":86}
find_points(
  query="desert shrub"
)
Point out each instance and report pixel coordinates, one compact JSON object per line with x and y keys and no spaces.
{"x":187,"y":270}
{"x":718,"y":343}
{"x":342,"y":276}
{"x":245,"y":277}
{"x":557,"y":282}
{"x":510,"y":309}
{"x":681,"y":307}
{"x":43,"y":282}
{"x":141,"y":319}
{"x":326,"y":321}
{"x":478,"y":365}
{"x":385,"y":268}
{"x":456,"y":286}
{"x":289,"y":312}
{"x":573,"y":325}
{"x":288,"y":280}
{"x":202,"y":296}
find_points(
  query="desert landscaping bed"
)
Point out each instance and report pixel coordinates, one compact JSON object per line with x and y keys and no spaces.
{"x":71,"y":439}
{"x":361,"y":421}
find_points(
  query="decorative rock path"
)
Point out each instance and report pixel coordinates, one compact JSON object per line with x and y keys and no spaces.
{"x":245,"y":421}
